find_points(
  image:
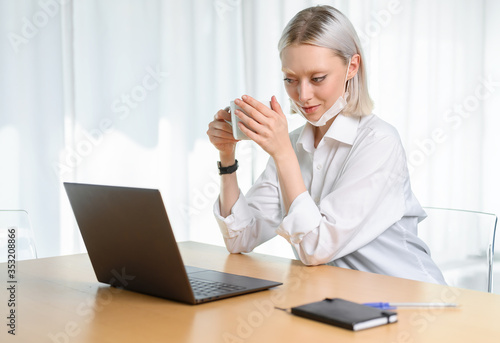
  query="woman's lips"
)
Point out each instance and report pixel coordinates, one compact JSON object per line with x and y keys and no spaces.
{"x":310,"y":109}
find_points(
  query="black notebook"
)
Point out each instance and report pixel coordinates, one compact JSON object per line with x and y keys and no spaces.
{"x":345,"y":314}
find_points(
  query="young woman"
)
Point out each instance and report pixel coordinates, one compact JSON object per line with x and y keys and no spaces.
{"x":338,"y":188}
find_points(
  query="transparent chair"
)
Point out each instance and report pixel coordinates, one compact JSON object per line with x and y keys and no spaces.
{"x":16,"y":223}
{"x":462,"y":244}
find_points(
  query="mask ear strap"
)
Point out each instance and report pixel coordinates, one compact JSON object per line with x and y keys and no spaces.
{"x":347,"y":73}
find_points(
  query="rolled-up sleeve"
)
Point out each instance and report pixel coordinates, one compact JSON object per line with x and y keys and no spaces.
{"x":303,"y":217}
{"x":255,"y":216}
{"x":239,"y":218}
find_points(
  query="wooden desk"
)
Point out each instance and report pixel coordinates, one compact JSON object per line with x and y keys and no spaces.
{"x":59,"y":300}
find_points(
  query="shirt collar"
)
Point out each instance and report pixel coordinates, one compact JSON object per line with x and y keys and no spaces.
{"x":344,"y":129}
{"x":306,"y":138}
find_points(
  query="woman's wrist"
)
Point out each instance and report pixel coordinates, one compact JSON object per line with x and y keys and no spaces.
{"x":227,"y":160}
{"x":284,"y":156}
{"x":290,"y":176}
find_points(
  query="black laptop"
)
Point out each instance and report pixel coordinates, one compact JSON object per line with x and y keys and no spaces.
{"x":131,"y":245}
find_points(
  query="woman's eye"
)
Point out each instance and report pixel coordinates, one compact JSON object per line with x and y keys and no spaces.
{"x":319,"y":79}
{"x":287,"y":80}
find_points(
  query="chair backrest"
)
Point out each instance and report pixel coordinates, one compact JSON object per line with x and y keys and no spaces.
{"x":16,"y":236}
{"x":462,"y":244}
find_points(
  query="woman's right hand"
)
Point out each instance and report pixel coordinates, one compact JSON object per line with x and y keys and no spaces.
{"x":220,"y":134}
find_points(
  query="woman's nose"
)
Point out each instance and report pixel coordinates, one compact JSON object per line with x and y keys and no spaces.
{"x":305,"y":92}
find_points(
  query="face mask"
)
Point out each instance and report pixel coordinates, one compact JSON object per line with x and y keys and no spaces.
{"x":332,"y":111}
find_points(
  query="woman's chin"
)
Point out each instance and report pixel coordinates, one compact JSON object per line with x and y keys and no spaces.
{"x":314,"y":116}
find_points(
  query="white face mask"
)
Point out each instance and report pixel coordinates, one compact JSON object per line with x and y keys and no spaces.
{"x":332,"y":111}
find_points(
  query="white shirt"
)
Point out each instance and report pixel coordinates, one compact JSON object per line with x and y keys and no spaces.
{"x":358,"y":212}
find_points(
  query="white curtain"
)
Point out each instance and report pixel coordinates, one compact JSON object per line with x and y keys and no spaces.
{"x":121,"y":92}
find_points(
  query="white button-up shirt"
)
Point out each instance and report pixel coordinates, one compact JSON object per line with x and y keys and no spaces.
{"x":358,"y":212}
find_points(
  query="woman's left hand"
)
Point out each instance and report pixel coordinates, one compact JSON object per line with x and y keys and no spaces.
{"x":266,"y":126}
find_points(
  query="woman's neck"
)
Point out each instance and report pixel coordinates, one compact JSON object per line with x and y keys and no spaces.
{"x":320,"y":131}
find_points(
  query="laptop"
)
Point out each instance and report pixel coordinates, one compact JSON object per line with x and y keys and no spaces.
{"x":131,"y":245}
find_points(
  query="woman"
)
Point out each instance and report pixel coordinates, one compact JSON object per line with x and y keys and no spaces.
{"x":337,"y":189}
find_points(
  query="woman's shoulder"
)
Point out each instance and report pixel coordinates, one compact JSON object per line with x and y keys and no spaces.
{"x":377,"y":126}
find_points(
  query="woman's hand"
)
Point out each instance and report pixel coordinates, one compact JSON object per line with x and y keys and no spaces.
{"x":269,"y":128}
{"x":220,"y":134}
{"x":266,"y":127}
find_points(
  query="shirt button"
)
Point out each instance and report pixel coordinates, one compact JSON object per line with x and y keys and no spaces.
{"x":316,"y":200}
{"x":319,"y":166}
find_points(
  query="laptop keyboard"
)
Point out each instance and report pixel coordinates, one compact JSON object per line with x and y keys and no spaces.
{"x":205,"y":288}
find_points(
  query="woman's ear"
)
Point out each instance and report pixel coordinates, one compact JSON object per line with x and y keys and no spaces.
{"x":353,"y":68}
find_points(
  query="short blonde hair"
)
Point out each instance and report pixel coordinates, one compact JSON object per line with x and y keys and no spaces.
{"x":327,"y":27}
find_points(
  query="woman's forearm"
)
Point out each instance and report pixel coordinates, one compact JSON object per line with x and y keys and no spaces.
{"x":229,"y":190}
{"x":290,"y":177}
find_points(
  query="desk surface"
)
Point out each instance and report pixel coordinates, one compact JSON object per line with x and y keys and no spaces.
{"x":59,"y":300}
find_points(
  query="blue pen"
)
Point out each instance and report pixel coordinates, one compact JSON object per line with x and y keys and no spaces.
{"x":392,"y":306}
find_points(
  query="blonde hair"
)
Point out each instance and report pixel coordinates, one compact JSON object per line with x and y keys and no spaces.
{"x":327,"y":27}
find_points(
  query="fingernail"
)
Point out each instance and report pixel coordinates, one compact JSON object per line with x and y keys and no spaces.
{"x":244,"y":97}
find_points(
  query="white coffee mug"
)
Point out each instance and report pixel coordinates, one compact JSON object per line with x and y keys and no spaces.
{"x":237,"y":133}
